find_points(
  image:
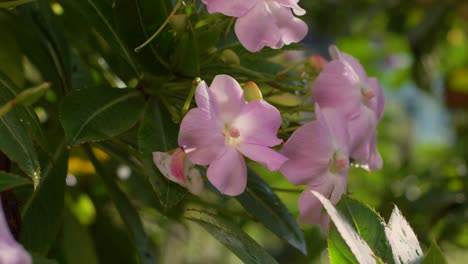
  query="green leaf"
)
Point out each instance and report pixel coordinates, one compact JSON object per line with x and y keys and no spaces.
{"x":9,"y":181}
{"x":158,"y":133}
{"x":368,"y":224}
{"x":100,"y":14}
{"x":354,"y":243}
{"x":77,"y":244}
{"x":51,"y":33}
{"x":28,"y":117}
{"x":235,"y":239}
{"x":42,"y":214}
{"x":260,"y":201}
{"x":434,"y":255}
{"x":402,"y":239}
{"x":42,"y":260}
{"x":99,"y":113}
{"x":126,"y":210}
{"x":15,"y":142}
{"x":10,"y":56}
{"x":10,"y":4}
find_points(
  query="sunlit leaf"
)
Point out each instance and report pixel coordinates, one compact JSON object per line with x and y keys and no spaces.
{"x":356,"y":244}
{"x":404,"y":243}
{"x":368,"y":224}
{"x":434,"y":255}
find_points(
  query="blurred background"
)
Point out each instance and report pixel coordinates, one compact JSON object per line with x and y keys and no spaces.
{"x":418,"y":50}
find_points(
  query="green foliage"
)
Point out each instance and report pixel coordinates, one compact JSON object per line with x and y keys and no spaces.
{"x":368,"y":224}
{"x":262,"y":203}
{"x":9,"y":181}
{"x":235,"y":239}
{"x":43,"y":212}
{"x":434,"y":255}
{"x":158,"y":133}
{"x":99,"y":114}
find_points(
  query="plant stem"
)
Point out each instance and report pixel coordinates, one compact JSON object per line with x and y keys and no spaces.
{"x":176,"y":7}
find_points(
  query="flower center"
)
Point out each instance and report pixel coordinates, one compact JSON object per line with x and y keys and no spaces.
{"x":232,"y":135}
{"x":366,"y":92}
{"x":339,"y":161}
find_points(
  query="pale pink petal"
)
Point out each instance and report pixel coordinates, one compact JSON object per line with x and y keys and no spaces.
{"x":269,"y":24}
{"x":10,"y":250}
{"x":228,"y":96}
{"x":309,"y":150}
{"x":337,"y":127}
{"x":293,"y":5}
{"x":203,"y":98}
{"x":351,"y":63}
{"x":335,"y":87}
{"x":332,"y":187}
{"x":269,"y":158}
{"x":258,"y":123}
{"x":228,"y":173}
{"x":375,"y":160}
{"x":235,"y":8}
{"x":361,"y":131}
{"x":194,"y":181}
{"x":379,"y":99}
{"x":257,"y":28}
{"x":163,"y":161}
{"x":291,"y":28}
{"x":311,"y":210}
{"x":201,"y":137}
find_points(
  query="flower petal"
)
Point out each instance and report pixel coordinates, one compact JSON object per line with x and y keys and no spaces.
{"x":332,"y":187}
{"x":10,"y":250}
{"x":258,"y":123}
{"x":362,"y":130}
{"x":308,"y":151}
{"x":164,"y":162}
{"x":379,"y":105}
{"x":266,"y":156}
{"x":337,"y":127}
{"x":228,"y":173}
{"x":293,"y":5}
{"x":335,"y":87}
{"x":269,"y":24}
{"x":351,"y":63}
{"x":257,"y":28}
{"x":228,"y":96}
{"x":291,"y":28}
{"x":201,"y":137}
{"x":235,"y":8}
{"x":194,"y":181}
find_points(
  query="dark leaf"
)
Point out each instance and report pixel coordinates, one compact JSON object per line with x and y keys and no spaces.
{"x":99,"y":113}
{"x":260,"y":201}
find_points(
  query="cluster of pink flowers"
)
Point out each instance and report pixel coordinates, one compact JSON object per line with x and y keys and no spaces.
{"x":349,"y":105}
{"x":263,"y":23}
{"x":224,"y":126}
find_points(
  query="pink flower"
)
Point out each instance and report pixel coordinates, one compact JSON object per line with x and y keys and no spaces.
{"x":263,"y":23}
{"x":344,"y":85}
{"x":11,"y":252}
{"x":224,"y":126}
{"x":177,"y":168}
{"x":318,"y":154}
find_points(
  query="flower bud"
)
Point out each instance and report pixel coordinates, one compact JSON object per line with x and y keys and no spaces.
{"x":178,"y":22}
{"x":317,"y":62}
{"x":252,"y":92}
{"x":230,"y":57}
